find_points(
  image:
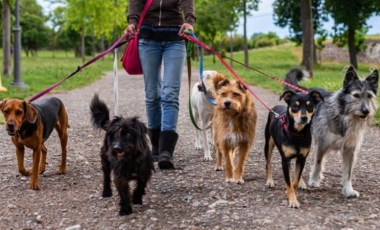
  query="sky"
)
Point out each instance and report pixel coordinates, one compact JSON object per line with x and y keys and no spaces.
{"x":261,"y":21}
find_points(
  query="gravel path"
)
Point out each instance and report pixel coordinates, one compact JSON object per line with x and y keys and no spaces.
{"x":192,"y":197}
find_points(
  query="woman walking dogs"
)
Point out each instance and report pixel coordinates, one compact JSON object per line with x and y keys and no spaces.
{"x":160,"y":41}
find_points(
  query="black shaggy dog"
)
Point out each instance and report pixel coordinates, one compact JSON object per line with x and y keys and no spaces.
{"x":126,"y":152}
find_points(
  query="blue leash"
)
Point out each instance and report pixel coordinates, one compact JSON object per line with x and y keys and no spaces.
{"x":200,"y":55}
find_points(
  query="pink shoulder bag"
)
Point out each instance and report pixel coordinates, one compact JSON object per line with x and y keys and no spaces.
{"x":131,"y":60}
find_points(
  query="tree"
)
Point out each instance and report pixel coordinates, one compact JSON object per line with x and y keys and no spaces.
{"x":288,"y":14}
{"x":35,"y":34}
{"x":97,"y":17}
{"x":307,"y":35}
{"x":244,"y":7}
{"x":350,"y":17}
{"x":6,"y":39}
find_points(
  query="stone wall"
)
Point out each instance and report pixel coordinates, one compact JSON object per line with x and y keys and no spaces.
{"x":370,"y":55}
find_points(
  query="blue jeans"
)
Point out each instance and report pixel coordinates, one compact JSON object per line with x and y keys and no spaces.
{"x":162,"y":92}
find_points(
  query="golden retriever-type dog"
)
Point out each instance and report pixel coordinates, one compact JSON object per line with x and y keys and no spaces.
{"x":234,"y":126}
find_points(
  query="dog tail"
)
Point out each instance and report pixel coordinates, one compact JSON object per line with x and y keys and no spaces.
{"x":294,"y":76}
{"x":100,"y":115}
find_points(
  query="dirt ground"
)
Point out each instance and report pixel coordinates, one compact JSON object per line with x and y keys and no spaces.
{"x":192,"y":197}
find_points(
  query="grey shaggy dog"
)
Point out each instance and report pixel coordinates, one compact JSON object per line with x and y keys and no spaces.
{"x":339,"y":125}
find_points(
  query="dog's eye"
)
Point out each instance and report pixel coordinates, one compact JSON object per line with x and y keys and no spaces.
{"x":6,"y":112}
{"x":236,"y":94}
{"x":18,"y":113}
{"x":369,"y":96}
{"x":356,"y":95}
{"x":223,"y":94}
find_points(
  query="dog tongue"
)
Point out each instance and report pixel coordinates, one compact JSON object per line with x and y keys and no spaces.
{"x":120,"y":154}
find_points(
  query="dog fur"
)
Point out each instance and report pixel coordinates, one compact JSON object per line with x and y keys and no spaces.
{"x":203,"y":111}
{"x":291,"y":134}
{"x":125,"y":152}
{"x":30,"y":125}
{"x":340,"y":123}
{"x":234,"y":126}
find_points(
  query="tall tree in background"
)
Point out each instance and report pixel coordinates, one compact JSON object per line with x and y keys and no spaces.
{"x":307,"y":35}
{"x":288,"y":14}
{"x":244,"y":7}
{"x":6,"y":25}
{"x":350,"y":17}
{"x":95,"y":17}
{"x":35,"y":34}
{"x":212,"y":27}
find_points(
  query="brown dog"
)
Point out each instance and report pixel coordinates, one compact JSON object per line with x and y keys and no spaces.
{"x":234,"y":126}
{"x":30,"y":125}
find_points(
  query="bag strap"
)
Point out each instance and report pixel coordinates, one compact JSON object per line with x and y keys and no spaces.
{"x":143,"y":13}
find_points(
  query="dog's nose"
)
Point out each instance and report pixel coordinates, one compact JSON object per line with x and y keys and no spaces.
{"x":365,"y":111}
{"x":304,"y":118}
{"x":11,"y":125}
{"x":227,"y":104}
{"x":117,"y":148}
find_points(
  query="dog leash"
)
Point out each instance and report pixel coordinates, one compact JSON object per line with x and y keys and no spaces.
{"x":204,"y":46}
{"x":276,"y":78}
{"x":117,"y":44}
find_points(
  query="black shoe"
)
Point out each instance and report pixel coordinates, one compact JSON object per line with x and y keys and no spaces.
{"x":168,"y":141}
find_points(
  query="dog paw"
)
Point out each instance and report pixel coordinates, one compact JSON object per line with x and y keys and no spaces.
{"x":208,"y":158}
{"x":218,"y":168}
{"x":229,"y":180}
{"x":294,"y":204}
{"x":350,"y":193}
{"x":198,"y":146}
{"x":107,"y":193}
{"x":137,"y":200}
{"x":34,"y":186}
{"x":238,"y":180}
{"x":269,"y":184}
{"x":61,"y":171}
{"x":25,"y":172}
{"x":302,"y":185}
{"x":125,"y":211}
{"x":314,"y":183}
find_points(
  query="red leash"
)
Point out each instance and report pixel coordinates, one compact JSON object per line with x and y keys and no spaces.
{"x":118,"y":43}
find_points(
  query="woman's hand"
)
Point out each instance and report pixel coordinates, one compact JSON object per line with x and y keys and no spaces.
{"x":185,"y":26}
{"x":130,"y":31}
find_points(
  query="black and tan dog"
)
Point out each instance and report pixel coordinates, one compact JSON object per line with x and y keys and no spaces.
{"x":30,"y":125}
{"x":291,"y":134}
{"x":125,"y":152}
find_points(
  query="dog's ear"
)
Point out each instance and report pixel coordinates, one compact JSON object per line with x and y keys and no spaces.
{"x":317,"y":96}
{"x":141,"y":137}
{"x":222,"y":83}
{"x":241,"y":86}
{"x":373,"y":80}
{"x":286,"y":96}
{"x":350,"y":76}
{"x":2,"y":104}
{"x":30,"y":113}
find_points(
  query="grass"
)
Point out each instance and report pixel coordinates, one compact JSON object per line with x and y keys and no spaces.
{"x":47,"y":68}
{"x":277,"y":61}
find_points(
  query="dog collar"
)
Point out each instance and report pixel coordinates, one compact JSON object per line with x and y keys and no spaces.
{"x":285,"y":127}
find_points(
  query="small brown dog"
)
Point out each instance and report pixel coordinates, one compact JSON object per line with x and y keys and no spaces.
{"x":234,"y":126}
{"x":30,"y":125}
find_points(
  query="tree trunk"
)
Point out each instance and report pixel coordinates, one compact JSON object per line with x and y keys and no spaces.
{"x":6,"y":19}
{"x":351,"y":47}
{"x":307,"y":35}
{"x":82,"y":46}
{"x":231,"y":49}
{"x":245,"y":44}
